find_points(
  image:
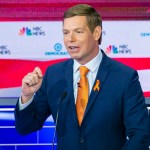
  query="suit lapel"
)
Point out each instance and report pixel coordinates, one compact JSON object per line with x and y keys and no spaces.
{"x":70,"y":91}
{"x":101,"y":76}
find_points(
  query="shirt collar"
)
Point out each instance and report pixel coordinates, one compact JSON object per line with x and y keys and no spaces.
{"x":91,"y":65}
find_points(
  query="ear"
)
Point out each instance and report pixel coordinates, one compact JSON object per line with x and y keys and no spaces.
{"x":97,"y":33}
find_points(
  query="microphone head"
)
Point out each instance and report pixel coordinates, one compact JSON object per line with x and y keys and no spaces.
{"x":78,"y":84}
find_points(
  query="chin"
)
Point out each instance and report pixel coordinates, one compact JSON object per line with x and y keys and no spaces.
{"x":76,"y":57}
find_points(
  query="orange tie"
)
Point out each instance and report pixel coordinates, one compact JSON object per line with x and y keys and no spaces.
{"x":82,"y":96}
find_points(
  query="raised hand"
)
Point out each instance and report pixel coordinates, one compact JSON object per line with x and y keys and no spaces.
{"x":31,"y":83}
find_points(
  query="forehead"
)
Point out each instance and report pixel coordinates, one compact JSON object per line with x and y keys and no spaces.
{"x":76,"y":21}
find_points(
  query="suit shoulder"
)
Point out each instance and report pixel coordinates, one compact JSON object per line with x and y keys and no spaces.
{"x":116,"y":65}
{"x":60,"y":65}
{"x":122,"y":67}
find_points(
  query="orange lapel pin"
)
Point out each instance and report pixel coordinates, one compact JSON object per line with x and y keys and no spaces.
{"x":96,"y":87}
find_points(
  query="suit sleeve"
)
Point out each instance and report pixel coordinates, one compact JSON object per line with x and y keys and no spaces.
{"x":34,"y":115}
{"x":135,"y":116}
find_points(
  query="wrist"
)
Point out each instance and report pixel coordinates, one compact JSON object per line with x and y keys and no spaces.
{"x":25,"y":98}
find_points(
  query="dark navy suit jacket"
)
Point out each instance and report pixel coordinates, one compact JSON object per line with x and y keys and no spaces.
{"x":116,"y":117}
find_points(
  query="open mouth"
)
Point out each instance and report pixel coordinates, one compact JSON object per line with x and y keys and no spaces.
{"x":73,"y":48}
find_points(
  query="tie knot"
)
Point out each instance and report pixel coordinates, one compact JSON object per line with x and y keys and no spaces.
{"x":83,"y":70}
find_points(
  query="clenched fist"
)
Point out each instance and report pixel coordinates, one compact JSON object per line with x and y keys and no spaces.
{"x":30,"y":84}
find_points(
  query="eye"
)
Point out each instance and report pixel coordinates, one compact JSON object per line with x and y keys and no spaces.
{"x":65,"y":32}
{"x":78,"y":31}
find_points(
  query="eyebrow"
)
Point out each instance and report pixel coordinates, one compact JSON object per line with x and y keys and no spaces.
{"x":73,"y":29}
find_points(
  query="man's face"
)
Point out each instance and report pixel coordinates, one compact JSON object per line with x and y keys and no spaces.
{"x":80,"y":42}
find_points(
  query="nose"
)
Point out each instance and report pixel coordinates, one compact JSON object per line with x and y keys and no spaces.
{"x":72,"y":37}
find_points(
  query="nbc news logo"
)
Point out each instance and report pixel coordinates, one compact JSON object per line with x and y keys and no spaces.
{"x":35,"y":31}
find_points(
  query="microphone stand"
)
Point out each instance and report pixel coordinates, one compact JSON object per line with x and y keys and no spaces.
{"x":57,"y":115}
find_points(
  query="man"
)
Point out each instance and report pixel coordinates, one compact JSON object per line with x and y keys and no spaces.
{"x":115,"y":116}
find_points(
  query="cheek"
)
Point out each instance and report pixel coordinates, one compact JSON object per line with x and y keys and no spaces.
{"x":83,"y":40}
{"x":87,"y":42}
{"x":65,"y":41}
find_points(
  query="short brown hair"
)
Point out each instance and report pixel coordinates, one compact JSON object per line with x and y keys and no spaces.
{"x":93,"y":17}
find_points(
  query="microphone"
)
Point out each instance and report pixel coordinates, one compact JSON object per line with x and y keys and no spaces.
{"x":64,"y":94}
{"x":78,"y":84}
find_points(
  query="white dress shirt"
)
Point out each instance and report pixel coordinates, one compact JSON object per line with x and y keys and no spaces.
{"x":92,"y":65}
